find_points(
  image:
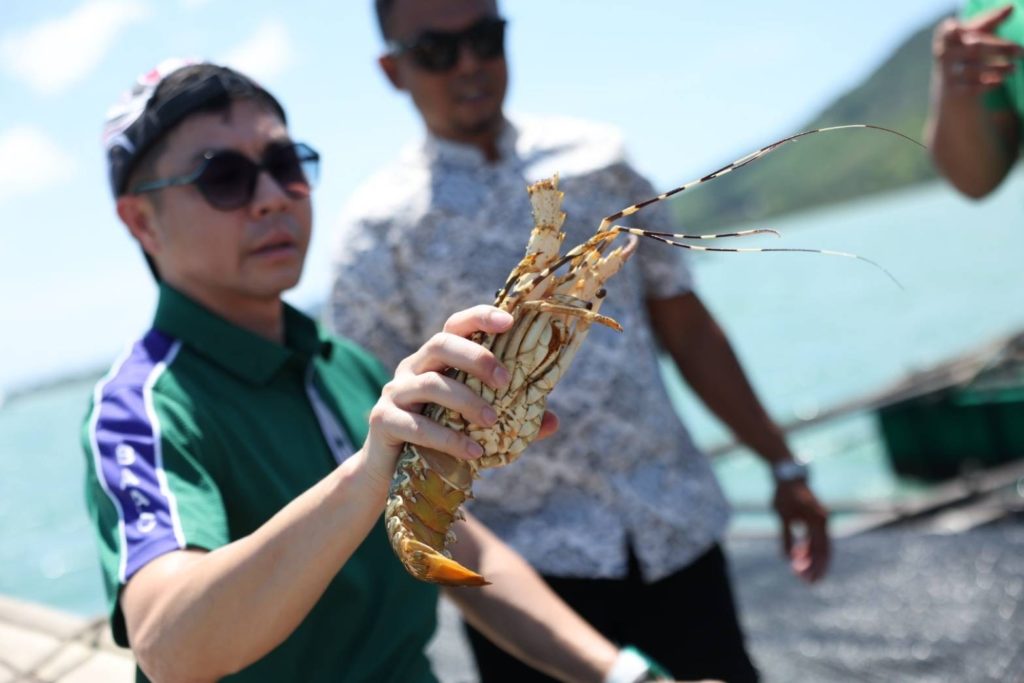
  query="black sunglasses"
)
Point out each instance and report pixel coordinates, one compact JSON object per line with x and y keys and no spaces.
{"x":439,"y":50}
{"x":227,"y":178}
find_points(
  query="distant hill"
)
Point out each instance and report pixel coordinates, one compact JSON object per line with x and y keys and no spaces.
{"x":833,"y":167}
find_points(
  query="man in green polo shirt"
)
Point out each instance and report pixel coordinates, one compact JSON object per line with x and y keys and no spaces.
{"x":977,"y":103}
{"x":239,"y":459}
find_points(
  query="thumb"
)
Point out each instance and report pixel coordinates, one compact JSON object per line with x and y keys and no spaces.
{"x":989,"y":21}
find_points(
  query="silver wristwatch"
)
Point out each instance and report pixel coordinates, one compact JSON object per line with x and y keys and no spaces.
{"x":789,"y":470}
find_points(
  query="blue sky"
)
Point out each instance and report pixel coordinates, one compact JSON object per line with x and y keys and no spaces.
{"x":691,"y":85}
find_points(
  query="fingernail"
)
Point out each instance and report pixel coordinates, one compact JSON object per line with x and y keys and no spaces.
{"x":489,"y":416}
{"x":501,"y":375}
{"x":474,"y":450}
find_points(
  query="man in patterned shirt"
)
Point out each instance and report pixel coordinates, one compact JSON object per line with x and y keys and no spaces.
{"x":620,"y":512}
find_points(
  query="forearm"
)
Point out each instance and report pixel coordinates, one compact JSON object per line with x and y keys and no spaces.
{"x":228,"y":608}
{"x":973,"y":147}
{"x":522,"y":615}
{"x":710,"y":366}
{"x":966,"y":145}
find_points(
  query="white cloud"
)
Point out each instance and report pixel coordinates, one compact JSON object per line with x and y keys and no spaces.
{"x":32,"y":162}
{"x":57,"y":53}
{"x":265,"y":54}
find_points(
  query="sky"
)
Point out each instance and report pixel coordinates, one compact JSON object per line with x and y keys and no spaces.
{"x":691,"y":85}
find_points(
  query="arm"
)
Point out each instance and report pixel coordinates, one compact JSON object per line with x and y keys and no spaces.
{"x":183,"y":609}
{"x":973,"y":146}
{"x":520,"y":613}
{"x":697,"y":345}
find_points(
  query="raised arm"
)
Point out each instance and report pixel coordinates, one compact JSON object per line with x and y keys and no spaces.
{"x":194,"y":615}
{"x":972,"y":144}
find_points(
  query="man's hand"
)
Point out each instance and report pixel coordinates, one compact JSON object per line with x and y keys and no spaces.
{"x":969,"y":58}
{"x":422,"y":378}
{"x":810,"y":551}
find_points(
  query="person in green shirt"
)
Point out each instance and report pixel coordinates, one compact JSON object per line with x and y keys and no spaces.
{"x":977,"y":101}
{"x":239,"y":458}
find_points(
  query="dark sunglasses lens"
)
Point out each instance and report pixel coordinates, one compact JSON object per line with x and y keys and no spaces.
{"x":294,"y":167}
{"x":436,"y":52}
{"x":488,"y":39}
{"x":228,"y":180}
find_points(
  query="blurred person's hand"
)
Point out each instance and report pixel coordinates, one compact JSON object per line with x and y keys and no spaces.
{"x":969,"y":58}
{"x":804,"y":520}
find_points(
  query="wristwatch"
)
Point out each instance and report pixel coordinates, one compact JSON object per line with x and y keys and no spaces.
{"x":789,"y":470}
{"x":633,"y":666}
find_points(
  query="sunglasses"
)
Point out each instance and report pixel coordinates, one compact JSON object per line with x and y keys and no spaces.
{"x":438,"y":51}
{"x":227,"y":178}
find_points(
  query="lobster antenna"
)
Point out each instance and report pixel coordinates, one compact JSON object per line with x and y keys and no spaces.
{"x":710,"y":236}
{"x":741,"y":162}
{"x":600,"y":242}
{"x":669,"y":238}
{"x":664,"y":237}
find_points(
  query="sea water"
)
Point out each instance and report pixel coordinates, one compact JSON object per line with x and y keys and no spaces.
{"x":811,"y":331}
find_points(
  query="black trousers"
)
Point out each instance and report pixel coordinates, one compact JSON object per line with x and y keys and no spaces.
{"x":686,"y":621}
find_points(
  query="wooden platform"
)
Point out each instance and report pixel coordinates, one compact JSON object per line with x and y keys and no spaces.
{"x":41,"y":644}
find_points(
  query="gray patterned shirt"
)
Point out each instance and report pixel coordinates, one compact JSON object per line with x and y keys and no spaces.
{"x":439,"y":231}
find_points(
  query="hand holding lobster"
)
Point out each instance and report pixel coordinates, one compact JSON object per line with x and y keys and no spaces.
{"x":420,"y":379}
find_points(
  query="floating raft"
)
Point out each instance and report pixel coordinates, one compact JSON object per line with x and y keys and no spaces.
{"x":972,"y":421}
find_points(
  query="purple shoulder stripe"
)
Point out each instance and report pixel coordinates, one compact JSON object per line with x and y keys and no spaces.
{"x":127,"y":454}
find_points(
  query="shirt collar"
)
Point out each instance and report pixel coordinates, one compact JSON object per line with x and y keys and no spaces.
{"x":236,"y":349}
{"x":437,"y":149}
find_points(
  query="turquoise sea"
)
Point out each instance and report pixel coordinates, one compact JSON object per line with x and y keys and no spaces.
{"x":812,"y":331}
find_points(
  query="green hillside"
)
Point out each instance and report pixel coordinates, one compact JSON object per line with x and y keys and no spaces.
{"x":832,"y":167}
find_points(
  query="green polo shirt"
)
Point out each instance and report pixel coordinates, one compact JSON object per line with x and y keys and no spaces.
{"x":1009,"y":95}
{"x":202,"y":431}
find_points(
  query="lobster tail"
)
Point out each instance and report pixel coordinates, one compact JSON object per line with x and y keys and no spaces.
{"x":426,"y":564}
{"x":424,"y":502}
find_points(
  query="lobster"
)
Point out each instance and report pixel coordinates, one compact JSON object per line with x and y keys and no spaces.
{"x":552,"y":315}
